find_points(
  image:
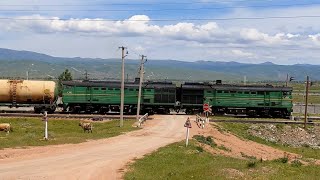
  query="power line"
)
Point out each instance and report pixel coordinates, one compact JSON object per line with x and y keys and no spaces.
{"x":159,"y":20}
{"x":171,"y":9}
{"x":138,"y":4}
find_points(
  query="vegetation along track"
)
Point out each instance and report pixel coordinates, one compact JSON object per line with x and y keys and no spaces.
{"x":66,"y":116}
{"x":265,"y":121}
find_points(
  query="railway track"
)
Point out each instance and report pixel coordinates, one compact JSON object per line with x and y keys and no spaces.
{"x":66,"y":116}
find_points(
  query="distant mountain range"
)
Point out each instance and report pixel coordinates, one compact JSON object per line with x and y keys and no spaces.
{"x":41,"y":66}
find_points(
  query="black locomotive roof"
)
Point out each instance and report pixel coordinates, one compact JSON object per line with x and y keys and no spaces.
{"x":161,"y":84}
{"x":235,"y":87}
{"x":117,"y":84}
{"x":112,"y":84}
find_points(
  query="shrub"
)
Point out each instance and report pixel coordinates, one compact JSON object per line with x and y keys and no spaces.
{"x":199,"y":148}
{"x":296,"y":163}
{"x":205,"y":140}
{"x":282,"y":160}
{"x":251,"y":164}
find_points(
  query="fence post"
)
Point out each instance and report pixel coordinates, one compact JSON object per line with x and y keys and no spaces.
{"x":45,"y":119}
{"x":187,"y":124}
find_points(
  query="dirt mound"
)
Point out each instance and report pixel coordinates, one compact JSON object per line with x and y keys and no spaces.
{"x":288,"y":135}
{"x":231,"y":145}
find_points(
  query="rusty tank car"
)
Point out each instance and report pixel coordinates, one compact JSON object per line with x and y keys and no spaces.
{"x":28,"y":93}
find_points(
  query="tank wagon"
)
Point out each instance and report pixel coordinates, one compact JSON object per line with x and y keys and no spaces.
{"x":160,"y":97}
{"x":24,"y":93}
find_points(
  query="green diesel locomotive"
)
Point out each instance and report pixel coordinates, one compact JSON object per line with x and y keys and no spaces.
{"x":161,"y":97}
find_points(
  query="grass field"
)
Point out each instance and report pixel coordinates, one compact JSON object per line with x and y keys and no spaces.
{"x":241,"y":131}
{"x":30,"y":132}
{"x":178,"y":162}
{"x":312,"y":99}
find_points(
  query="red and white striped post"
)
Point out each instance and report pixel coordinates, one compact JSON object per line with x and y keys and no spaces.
{"x":45,"y":119}
{"x":187,"y":124}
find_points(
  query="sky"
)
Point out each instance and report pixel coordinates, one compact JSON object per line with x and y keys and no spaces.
{"x":247,"y":31}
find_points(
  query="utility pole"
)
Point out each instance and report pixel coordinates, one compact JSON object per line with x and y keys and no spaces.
{"x":27,"y":75}
{"x":122,"y":85}
{"x":306,"y":104}
{"x":86,"y":75}
{"x":287,"y":80}
{"x":140,"y":83}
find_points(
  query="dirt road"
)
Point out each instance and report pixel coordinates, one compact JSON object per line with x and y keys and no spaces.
{"x":100,"y":159}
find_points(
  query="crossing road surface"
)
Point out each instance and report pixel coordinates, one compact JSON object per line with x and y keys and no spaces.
{"x":101,"y":159}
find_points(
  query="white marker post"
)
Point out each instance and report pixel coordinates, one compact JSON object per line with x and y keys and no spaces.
{"x":45,"y":119}
{"x":187,"y":124}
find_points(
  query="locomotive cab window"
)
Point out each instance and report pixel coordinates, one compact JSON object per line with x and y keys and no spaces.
{"x":219,"y":91}
{"x":103,"y":89}
{"x":246,"y":92}
{"x":96,"y":88}
{"x":209,"y":91}
{"x":253,"y":92}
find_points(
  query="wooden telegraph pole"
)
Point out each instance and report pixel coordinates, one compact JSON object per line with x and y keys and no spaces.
{"x":122,"y":86}
{"x":306,"y":104}
{"x":287,"y":80}
{"x":140,"y":83}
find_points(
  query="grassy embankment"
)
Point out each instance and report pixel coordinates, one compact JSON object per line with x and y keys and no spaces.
{"x":241,"y":131}
{"x":30,"y":132}
{"x":177,"y":162}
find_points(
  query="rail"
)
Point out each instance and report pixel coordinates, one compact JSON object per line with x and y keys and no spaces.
{"x":143,"y":119}
{"x":200,"y":121}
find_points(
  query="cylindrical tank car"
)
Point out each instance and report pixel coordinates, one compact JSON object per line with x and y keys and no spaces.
{"x":25,"y":93}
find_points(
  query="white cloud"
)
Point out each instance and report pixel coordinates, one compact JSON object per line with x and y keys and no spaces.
{"x":315,"y":38}
{"x":240,"y":53}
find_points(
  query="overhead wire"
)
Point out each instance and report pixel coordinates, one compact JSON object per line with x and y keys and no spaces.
{"x":143,"y":4}
{"x":159,"y":20}
{"x":160,"y":9}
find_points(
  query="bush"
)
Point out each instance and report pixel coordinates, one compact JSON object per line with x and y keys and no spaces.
{"x":282,"y":160}
{"x":251,"y":164}
{"x":296,"y":163}
{"x":205,"y":140}
{"x":200,"y":149}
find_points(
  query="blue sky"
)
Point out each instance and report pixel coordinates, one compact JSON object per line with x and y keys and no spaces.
{"x":85,"y":28}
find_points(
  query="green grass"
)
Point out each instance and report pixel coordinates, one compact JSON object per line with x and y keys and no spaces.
{"x":312,"y":99}
{"x":241,"y":131}
{"x":217,"y":117}
{"x":178,"y":162}
{"x":30,"y":132}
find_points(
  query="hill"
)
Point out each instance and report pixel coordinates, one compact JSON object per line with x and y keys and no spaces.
{"x":17,"y":63}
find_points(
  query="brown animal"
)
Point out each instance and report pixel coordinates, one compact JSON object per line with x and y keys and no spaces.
{"x":86,"y":126}
{"x":6,"y":127}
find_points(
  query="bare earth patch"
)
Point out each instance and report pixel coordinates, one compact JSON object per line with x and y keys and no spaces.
{"x":242,"y":148}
